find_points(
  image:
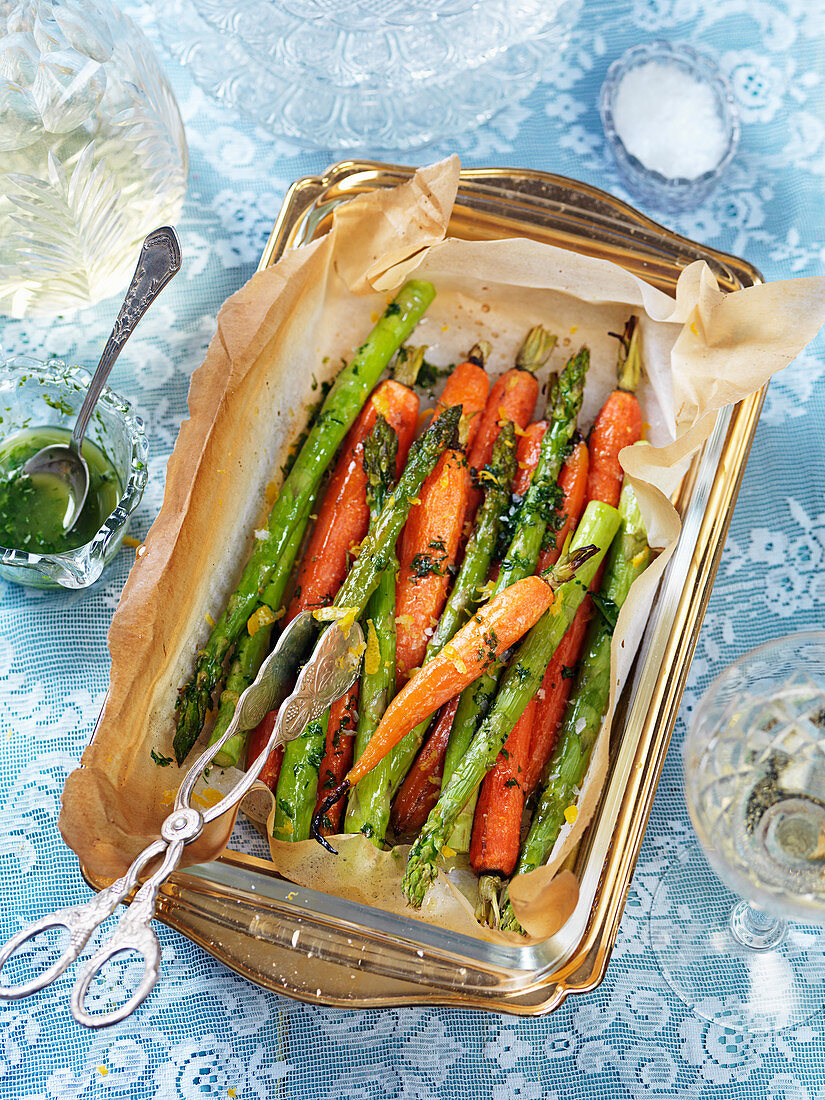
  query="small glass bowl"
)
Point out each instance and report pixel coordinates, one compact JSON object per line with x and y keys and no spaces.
{"x":669,"y":193}
{"x":36,"y":394}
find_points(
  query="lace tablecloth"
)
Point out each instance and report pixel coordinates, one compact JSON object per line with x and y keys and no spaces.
{"x":205,"y":1033}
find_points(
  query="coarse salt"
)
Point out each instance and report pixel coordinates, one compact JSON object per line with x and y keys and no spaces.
{"x":669,"y":120}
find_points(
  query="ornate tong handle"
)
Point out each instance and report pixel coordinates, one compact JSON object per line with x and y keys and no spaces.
{"x":329,"y":672}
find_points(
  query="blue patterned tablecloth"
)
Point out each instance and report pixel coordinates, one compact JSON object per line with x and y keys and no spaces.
{"x":205,"y":1033}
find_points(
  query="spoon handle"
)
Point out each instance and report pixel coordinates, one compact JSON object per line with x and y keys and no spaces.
{"x":158,"y":262}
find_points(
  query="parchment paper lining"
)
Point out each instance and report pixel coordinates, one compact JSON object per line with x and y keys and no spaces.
{"x":292,"y":325}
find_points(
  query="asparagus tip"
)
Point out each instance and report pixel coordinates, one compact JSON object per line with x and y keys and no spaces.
{"x":535,"y":351}
{"x":629,"y":363}
{"x":488,"y":912}
{"x":567,"y":566}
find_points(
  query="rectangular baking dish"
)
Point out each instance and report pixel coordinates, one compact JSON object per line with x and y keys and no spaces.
{"x":322,"y":949}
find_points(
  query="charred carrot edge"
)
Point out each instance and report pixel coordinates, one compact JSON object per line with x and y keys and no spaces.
{"x":428,"y":551}
{"x":257,"y":742}
{"x":419,"y":791}
{"x":497,"y":823}
{"x":343,"y":517}
{"x":552,"y":698}
{"x":337,"y":756}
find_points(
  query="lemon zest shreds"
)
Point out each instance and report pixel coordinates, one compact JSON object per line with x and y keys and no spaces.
{"x":570,"y":814}
{"x":264,"y":616}
{"x":372,"y":654}
{"x":344,"y":616}
{"x":452,"y":654}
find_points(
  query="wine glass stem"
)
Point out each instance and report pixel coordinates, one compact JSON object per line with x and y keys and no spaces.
{"x":755,"y":929}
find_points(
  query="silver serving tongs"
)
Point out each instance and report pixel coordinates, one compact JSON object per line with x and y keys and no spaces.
{"x":328,"y":673}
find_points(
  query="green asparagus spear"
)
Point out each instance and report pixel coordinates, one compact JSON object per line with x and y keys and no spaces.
{"x":536,"y":510}
{"x":519,"y":684}
{"x":496,"y":480}
{"x":250,"y":653}
{"x":628,"y":558}
{"x":343,"y":403}
{"x":297,"y":790}
{"x":368,"y":806}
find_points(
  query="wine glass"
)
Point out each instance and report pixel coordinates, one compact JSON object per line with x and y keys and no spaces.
{"x":754,"y":767}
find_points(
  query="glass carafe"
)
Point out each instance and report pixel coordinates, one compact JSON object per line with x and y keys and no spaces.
{"x":92,"y":152}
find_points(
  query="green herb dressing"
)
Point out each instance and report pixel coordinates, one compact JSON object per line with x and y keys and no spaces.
{"x":32,"y":508}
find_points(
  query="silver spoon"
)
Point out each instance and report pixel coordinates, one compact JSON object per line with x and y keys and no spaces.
{"x":158,"y":262}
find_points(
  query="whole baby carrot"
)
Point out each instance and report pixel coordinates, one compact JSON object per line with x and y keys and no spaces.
{"x":619,"y":423}
{"x":342,"y":522}
{"x":513,"y":397}
{"x":497,"y":822}
{"x":428,"y":550}
{"x":432,"y":535}
{"x":468,"y":386}
{"x":573,"y":488}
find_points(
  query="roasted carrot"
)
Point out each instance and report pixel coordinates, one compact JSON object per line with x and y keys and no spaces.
{"x":497,"y":821}
{"x":468,"y":386}
{"x":573,"y":486}
{"x":513,"y":397}
{"x":256,"y":744}
{"x":552,"y":699}
{"x":337,"y":756}
{"x":343,"y":517}
{"x":527,"y":459}
{"x":427,"y":555}
{"x":618,"y":425}
{"x":419,"y":791}
{"x":527,"y":455}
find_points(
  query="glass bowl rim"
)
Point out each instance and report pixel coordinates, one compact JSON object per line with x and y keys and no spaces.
{"x":57,"y":371}
{"x":694,"y":61}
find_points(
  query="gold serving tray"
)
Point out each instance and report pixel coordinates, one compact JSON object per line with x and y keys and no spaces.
{"x":321,"y":949}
